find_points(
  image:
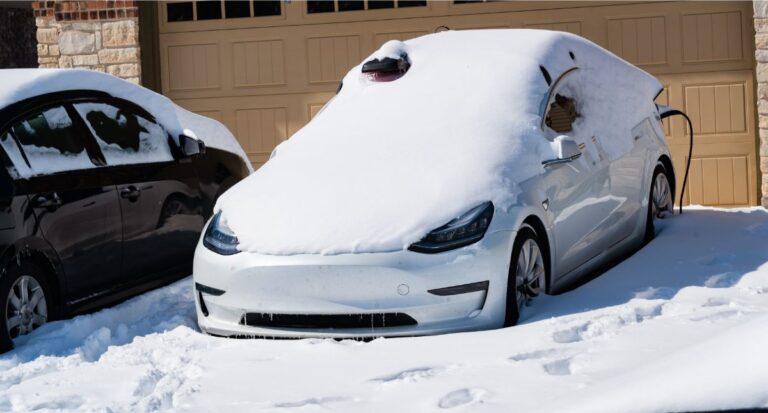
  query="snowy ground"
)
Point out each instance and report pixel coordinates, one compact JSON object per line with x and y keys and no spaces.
{"x":680,"y":325}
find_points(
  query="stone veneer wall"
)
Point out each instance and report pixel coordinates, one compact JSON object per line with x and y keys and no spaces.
{"x":98,"y":35}
{"x":761,"y":72}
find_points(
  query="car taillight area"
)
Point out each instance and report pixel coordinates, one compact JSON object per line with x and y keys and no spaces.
{"x":386,"y":69}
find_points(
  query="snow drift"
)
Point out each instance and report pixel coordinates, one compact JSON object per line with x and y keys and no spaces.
{"x":386,"y":162}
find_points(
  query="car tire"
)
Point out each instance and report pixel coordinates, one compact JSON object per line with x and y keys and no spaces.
{"x":660,"y":200}
{"x":527,"y":273}
{"x":27,"y":310}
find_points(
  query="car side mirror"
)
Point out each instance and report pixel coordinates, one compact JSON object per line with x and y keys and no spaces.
{"x":567,"y":151}
{"x":191,"y":147}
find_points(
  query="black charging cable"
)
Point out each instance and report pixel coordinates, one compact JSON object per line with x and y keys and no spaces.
{"x":673,"y":112}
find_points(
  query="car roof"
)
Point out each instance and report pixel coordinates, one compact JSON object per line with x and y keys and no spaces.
{"x":21,"y":85}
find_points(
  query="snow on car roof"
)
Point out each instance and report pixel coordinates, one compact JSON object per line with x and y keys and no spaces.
{"x":386,"y":162}
{"x":20,"y":84}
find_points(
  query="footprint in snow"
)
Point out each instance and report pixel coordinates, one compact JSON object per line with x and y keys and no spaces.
{"x":720,"y":315}
{"x":410,"y":375}
{"x":533,"y":355}
{"x":461,"y":397}
{"x":570,"y":335}
{"x":723,"y":280}
{"x":315,"y":401}
{"x":558,"y":367}
{"x":716,"y":302}
{"x":606,"y":325}
{"x":655,"y":293}
{"x":722,"y":259}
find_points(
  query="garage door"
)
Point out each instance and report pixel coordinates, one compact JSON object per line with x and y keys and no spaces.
{"x":265,"y":68}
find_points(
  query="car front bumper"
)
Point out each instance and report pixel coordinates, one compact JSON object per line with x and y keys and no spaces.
{"x":298,"y":295}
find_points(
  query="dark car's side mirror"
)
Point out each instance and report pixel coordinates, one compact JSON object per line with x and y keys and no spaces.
{"x":191,"y":147}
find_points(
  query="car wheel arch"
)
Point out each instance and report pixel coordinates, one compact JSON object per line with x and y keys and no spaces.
{"x":40,"y":253}
{"x":667,"y":163}
{"x":535,"y":223}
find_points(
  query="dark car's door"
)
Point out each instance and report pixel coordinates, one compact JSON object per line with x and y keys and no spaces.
{"x":73,"y":198}
{"x":159,"y":195}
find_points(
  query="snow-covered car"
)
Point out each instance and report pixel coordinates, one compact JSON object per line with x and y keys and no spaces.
{"x":104,"y":191}
{"x":452,"y":178}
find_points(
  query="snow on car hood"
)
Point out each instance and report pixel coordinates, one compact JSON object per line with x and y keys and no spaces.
{"x":20,"y":84}
{"x":386,"y":162}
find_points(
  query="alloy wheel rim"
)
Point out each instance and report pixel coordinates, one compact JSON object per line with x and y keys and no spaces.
{"x":26,"y":308}
{"x":529,"y":274}
{"x":662,"y":196}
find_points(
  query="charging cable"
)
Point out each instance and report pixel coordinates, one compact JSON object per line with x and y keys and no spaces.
{"x":665,"y":112}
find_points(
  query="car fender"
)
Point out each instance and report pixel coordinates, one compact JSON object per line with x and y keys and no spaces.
{"x":37,"y":248}
{"x":513,"y":218}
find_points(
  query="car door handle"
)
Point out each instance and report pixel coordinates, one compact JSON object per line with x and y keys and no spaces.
{"x":560,"y":161}
{"x":50,"y":201}
{"x":131,"y":193}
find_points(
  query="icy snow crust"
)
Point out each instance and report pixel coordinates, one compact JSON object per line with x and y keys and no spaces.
{"x":385,"y":163}
{"x":20,"y":84}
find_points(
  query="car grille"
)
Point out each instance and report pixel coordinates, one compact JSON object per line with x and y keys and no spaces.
{"x":318,"y":321}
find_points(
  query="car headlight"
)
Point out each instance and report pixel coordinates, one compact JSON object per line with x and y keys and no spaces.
{"x":219,"y":238}
{"x":461,"y":231}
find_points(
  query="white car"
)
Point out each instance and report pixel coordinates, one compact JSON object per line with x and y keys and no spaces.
{"x":452,"y":178}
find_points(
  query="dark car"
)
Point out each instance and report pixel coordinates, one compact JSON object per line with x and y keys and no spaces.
{"x":98,"y":202}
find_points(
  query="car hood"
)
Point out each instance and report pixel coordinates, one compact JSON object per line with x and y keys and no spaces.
{"x":386,"y":162}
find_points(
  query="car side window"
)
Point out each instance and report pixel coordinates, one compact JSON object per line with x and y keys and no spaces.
{"x":19,"y":167}
{"x":51,"y":143}
{"x":562,"y":113}
{"x":124,"y":136}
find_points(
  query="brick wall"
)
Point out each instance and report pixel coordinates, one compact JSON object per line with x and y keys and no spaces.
{"x":98,"y":35}
{"x":17,"y":37}
{"x":761,"y":58}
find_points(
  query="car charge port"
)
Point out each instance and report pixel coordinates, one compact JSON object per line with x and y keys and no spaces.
{"x":386,"y":69}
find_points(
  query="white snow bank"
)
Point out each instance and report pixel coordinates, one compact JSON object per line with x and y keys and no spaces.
{"x":686,"y":346}
{"x":386,"y":162}
{"x":20,"y":84}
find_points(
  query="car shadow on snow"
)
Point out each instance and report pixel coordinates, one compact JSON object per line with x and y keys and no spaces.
{"x":702,"y":247}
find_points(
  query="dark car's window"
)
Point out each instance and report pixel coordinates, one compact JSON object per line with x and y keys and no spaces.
{"x":124,"y":136}
{"x":51,"y":142}
{"x":20,"y":166}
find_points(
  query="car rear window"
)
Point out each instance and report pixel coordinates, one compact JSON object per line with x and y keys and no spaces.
{"x":51,"y":143}
{"x":124,"y":136}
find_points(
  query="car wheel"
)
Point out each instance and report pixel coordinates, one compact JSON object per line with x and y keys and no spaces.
{"x":660,"y":202}
{"x":24,"y":303}
{"x":527,"y":274}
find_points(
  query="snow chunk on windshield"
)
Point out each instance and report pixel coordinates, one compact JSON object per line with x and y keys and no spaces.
{"x":386,"y":162}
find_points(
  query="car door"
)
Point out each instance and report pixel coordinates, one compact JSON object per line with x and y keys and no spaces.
{"x":628,"y":180}
{"x":578,"y":192}
{"x":74,"y":200}
{"x":159,"y":193}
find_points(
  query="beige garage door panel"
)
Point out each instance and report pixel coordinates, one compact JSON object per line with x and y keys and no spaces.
{"x":265,"y":81}
{"x":720,"y":105}
{"x":260,"y":122}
